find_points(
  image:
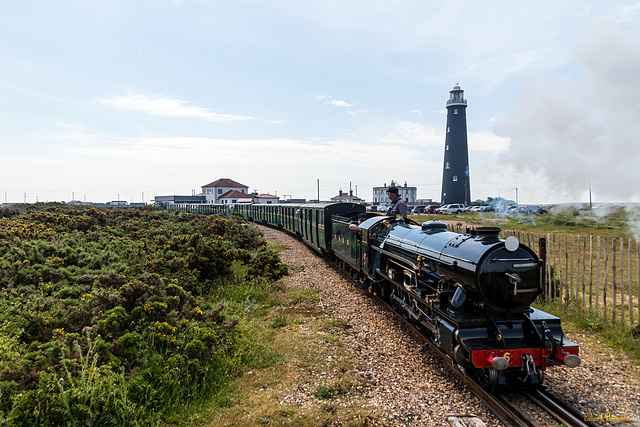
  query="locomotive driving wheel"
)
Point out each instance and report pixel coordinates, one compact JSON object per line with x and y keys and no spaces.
{"x":395,"y":304}
{"x":488,"y":378}
{"x":405,"y":313}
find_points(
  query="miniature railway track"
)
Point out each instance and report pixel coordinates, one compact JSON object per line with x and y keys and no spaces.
{"x":510,"y":414}
{"x":558,"y":409}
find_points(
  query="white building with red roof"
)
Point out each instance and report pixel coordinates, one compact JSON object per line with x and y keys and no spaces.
{"x":222,"y":188}
{"x":225,"y":190}
{"x":235,"y":196}
{"x":265,"y":198}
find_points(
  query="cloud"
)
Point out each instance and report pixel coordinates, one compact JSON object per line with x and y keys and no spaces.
{"x":156,"y":105}
{"x":329,"y":100}
{"x":73,"y":126}
{"x":576,"y":132}
{"x":338,"y":103}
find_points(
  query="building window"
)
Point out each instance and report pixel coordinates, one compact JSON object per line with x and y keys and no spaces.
{"x":455,"y":111}
{"x":455,"y":178}
{"x":447,"y":147}
{"x":219,"y":190}
{"x":447,"y":165}
{"x":448,"y":129}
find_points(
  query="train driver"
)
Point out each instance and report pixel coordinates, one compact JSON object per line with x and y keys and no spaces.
{"x":356,"y":227}
{"x":398,"y":205}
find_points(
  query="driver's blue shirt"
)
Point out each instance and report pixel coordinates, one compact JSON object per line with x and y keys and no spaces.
{"x":398,"y":207}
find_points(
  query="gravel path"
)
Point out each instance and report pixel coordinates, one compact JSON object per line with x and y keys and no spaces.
{"x":407,"y":384}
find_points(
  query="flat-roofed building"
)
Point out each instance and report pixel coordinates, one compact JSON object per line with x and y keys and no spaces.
{"x":409,"y":194}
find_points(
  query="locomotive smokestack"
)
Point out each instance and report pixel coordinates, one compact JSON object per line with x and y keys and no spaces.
{"x":486,"y":233}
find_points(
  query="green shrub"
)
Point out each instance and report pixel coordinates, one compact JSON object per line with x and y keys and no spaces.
{"x":115,"y":317}
{"x":266,"y":263}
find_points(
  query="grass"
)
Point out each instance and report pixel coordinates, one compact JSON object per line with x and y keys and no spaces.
{"x":309,"y":364}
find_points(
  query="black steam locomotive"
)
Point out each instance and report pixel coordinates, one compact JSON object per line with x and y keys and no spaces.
{"x":469,"y":293}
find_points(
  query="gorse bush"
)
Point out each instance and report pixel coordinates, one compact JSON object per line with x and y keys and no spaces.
{"x":110,"y":317}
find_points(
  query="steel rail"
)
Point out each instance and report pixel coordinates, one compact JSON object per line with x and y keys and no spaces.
{"x":560,"y":410}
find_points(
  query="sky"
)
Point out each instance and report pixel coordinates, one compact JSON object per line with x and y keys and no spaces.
{"x":106,"y":100}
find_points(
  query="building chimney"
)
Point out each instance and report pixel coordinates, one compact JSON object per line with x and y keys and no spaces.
{"x":340,"y":193}
{"x":351,"y":193}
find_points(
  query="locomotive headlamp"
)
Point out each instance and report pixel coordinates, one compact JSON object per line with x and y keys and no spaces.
{"x":571,"y":360}
{"x":512,"y":243}
{"x":500,"y":363}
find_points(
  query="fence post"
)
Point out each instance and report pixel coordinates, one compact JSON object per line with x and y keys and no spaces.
{"x":605,"y":282}
{"x":615,"y":282}
{"x":584,"y":270}
{"x":622,"y":316}
{"x":576,"y":257}
{"x":549,"y":278}
{"x":542,"y":248}
{"x":553,"y":275}
{"x":572,"y":272}
{"x":638,"y":262}
{"x":630,"y":283}
{"x":590,"y":271}
{"x":622,"y":310}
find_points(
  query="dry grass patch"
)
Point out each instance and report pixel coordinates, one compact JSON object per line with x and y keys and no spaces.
{"x":313,"y":386}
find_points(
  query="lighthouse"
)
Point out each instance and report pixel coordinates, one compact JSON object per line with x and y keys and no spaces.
{"x":455,"y":172}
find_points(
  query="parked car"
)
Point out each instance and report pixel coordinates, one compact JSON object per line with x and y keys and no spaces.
{"x":527,"y":209}
{"x":532,"y":209}
{"x":451,"y":208}
{"x":431,"y":209}
{"x":420,"y":209}
{"x":480,"y":208}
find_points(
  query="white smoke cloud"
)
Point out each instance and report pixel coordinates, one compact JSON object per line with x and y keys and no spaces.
{"x":577,"y":131}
